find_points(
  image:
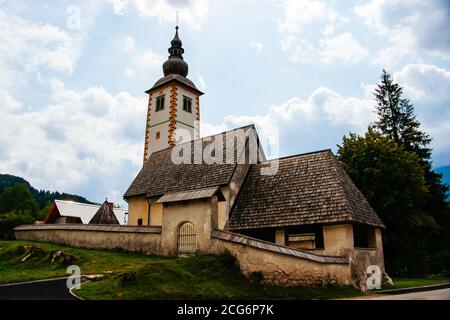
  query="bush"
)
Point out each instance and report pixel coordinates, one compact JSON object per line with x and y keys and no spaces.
{"x":10,"y":220}
{"x":439,"y":263}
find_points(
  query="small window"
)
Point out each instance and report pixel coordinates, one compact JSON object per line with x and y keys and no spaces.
{"x":158,"y":135}
{"x":159,"y":103}
{"x":139,"y":222}
{"x":187,"y":104}
{"x":364,"y":236}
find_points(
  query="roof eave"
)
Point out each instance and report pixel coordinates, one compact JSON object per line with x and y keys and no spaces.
{"x":179,"y":82}
{"x":284,"y":225}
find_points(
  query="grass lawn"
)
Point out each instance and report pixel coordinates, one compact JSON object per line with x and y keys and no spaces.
{"x":149,"y":277}
{"x":400,"y":283}
{"x":41,"y":266}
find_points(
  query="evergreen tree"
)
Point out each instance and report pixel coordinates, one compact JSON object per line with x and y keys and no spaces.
{"x":388,"y":96}
{"x":396,"y":118}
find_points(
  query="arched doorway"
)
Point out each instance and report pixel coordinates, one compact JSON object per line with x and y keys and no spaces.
{"x":187,"y":239}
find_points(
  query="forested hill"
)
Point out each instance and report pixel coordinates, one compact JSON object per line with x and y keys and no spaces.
{"x":41,"y":196}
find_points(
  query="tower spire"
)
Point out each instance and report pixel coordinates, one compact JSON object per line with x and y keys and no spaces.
{"x":175,"y":64}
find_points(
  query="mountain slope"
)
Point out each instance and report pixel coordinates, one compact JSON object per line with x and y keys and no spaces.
{"x":41,"y":196}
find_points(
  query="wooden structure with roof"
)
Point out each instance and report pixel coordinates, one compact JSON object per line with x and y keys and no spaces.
{"x":105,"y":215}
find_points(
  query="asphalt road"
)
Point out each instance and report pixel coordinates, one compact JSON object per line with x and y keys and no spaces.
{"x":55,"y":289}
{"x":441,"y":294}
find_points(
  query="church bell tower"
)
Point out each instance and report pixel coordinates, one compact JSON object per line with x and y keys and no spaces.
{"x":174,"y":103}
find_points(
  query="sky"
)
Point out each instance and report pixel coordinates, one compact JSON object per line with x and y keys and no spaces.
{"x":73,"y":76}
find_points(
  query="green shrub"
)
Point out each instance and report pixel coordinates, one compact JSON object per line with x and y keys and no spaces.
{"x":439,"y":263}
{"x":10,"y":220}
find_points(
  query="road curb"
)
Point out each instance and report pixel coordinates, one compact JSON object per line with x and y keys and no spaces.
{"x":31,"y":282}
{"x":415,"y":289}
{"x":73,"y":293}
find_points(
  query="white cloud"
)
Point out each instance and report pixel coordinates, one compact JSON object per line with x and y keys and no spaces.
{"x":318,"y":122}
{"x":258,"y":46}
{"x":149,"y":59}
{"x":390,"y":57}
{"x":88,"y":142}
{"x":302,"y":19}
{"x":342,"y":48}
{"x":328,"y":30}
{"x":297,"y":17}
{"x":8,"y":103}
{"x":119,"y":6}
{"x":413,"y":27}
{"x":428,"y":86}
{"x":141,"y":59}
{"x":298,"y":13}
{"x":193,"y":12}
{"x":37,"y":45}
{"x":301,"y":51}
{"x":129,"y":44}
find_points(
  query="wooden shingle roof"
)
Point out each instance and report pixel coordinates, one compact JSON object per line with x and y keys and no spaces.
{"x":161,"y":175}
{"x":307,"y":189}
{"x":104,"y":215}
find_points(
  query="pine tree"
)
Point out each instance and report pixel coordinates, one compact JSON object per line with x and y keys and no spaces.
{"x":396,"y":118}
{"x":411,"y":137}
{"x":388,"y":96}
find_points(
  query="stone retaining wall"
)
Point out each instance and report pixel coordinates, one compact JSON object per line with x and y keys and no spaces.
{"x":129,"y":238}
{"x":281,"y":265}
{"x":278,"y":265}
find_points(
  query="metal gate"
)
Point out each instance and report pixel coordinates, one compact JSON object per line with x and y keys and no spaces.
{"x":187,"y":239}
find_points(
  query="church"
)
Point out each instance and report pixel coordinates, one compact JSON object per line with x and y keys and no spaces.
{"x":297,"y":220}
{"x":308,"y":203}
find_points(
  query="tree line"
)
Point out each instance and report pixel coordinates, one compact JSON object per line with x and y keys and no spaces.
{"x":20,"y":203}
